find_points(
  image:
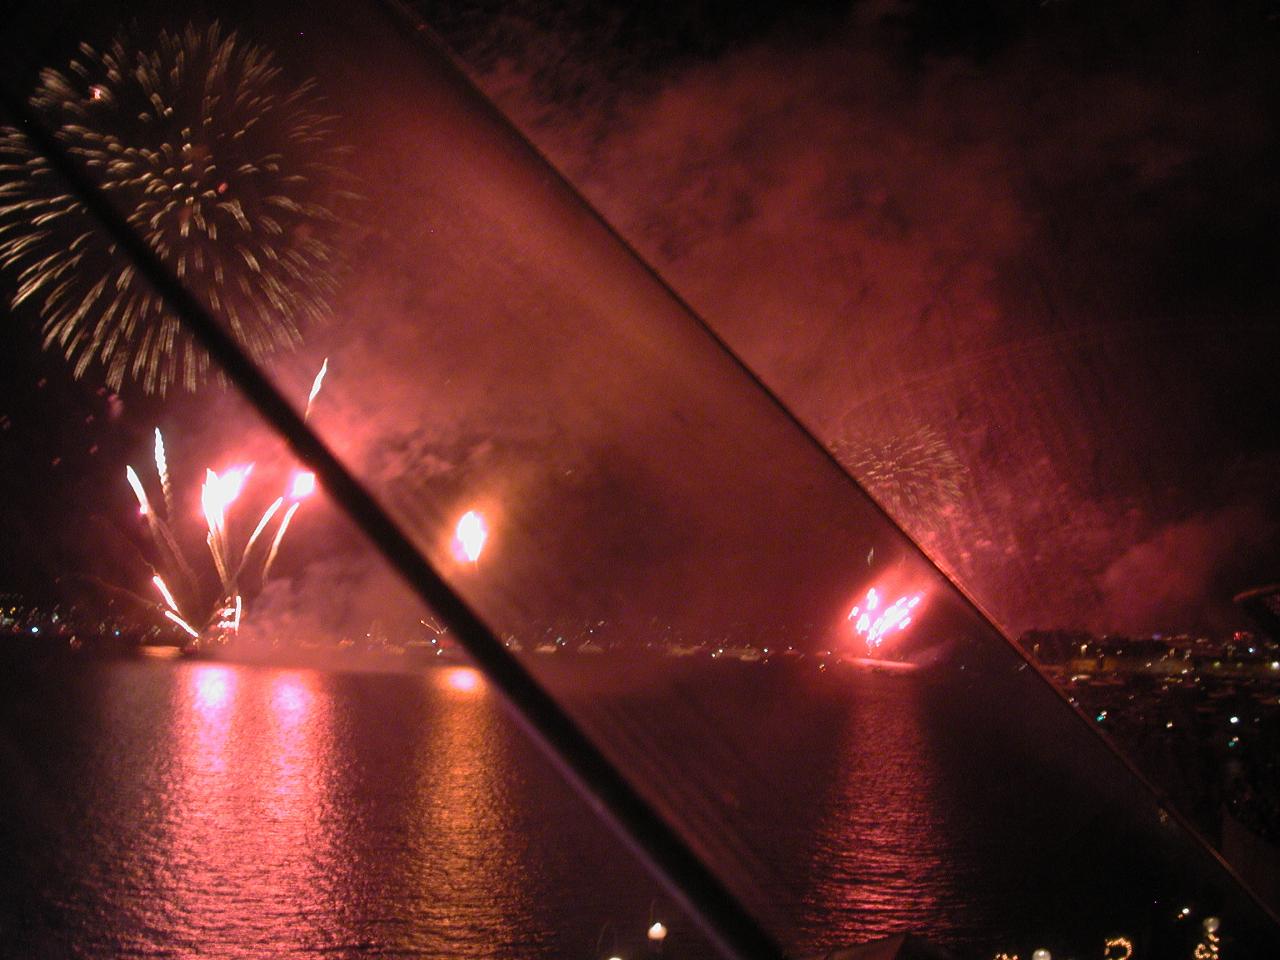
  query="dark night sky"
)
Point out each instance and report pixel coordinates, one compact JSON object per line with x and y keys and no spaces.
{"x":1046,"y":233}
{"x":1031,"y":243}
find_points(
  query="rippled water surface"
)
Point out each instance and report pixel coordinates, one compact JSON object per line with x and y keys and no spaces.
{"x":217,"y":810}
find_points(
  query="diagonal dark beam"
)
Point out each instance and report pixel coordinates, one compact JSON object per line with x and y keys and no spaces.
{"x":719,"y":914}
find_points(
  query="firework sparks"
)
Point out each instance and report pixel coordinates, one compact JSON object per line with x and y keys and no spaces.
{"x":873,"y":621}
{"x":144,"y":505}
{"x":915,"y":476}
{"x":218,"y":493}
{"x":183,"y":624}
{"x":469,"y":537}
{"x":160,"y":531}
{"x":257,"y":531}
{"x":221,"y":167}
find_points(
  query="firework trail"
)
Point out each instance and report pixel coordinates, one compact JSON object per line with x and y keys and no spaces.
{"x":158,"y":526}
{"x":144,"y":505}
{"x":315,"y":388}
{"x":162,"y":468}
{"x":216,"y":495}
{"x":915,"y":476}
{"x":220,"y":165}
{"x":275,"y":544}
{"x":257,"y":532}
{"x":164,"y":592}
{"x":183,"y":624}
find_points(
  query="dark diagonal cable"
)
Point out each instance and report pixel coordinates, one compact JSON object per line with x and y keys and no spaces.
{"x":716,"y":910}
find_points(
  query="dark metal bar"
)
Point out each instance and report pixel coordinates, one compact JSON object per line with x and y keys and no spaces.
{"x":722,"y":918}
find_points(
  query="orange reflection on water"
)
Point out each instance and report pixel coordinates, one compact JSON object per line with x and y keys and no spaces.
{"x":472,"y":878}
{"x":462,"y":679}
{"x":209,"y":697}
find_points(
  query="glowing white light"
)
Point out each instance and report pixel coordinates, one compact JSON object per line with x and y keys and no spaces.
{"x":469,"y":537}
{"x":304,"y":484}
{"x":463,"y":679}
{"x":318,"y":382}
{"x":164,"y":592}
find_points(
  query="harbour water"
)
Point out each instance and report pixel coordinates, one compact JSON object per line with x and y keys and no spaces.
{"x":201,"y":809}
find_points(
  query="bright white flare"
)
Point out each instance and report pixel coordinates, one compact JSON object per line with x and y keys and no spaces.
{"x":219,"y":492}
{"x":304,"y":484}
{"x":469,"y":537}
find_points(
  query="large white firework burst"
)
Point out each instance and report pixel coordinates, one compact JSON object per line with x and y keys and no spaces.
{"x":229,"y":174}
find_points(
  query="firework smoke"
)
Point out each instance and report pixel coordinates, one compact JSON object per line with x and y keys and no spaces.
{"x":915,"y":476}
{"x":217,"y":163}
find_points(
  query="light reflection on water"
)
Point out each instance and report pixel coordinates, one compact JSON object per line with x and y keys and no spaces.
{"x":211,"y":810}
{"x":882,"y":862}
{"x":249,"y":844}
{"x":471,"y":883}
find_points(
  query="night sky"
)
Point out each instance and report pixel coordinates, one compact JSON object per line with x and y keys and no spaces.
{"x":1015,"y":266}
{"x":1043,"y":234}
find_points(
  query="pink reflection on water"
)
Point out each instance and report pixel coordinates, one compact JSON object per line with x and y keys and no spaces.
{"x":250,"y":855}
{"x":882,"y":860}
{"x":213,"y":689}
{"x":291,"y":697}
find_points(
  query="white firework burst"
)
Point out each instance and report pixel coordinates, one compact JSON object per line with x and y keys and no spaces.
{"x":225,"y":170}
{"x":915,"y":475}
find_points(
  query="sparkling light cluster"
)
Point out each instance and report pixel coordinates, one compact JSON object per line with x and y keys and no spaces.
{"x":874,"y":622}
{"x":217,"y":495}
{"x":916,"y":476}
{"x":224,"y":169}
